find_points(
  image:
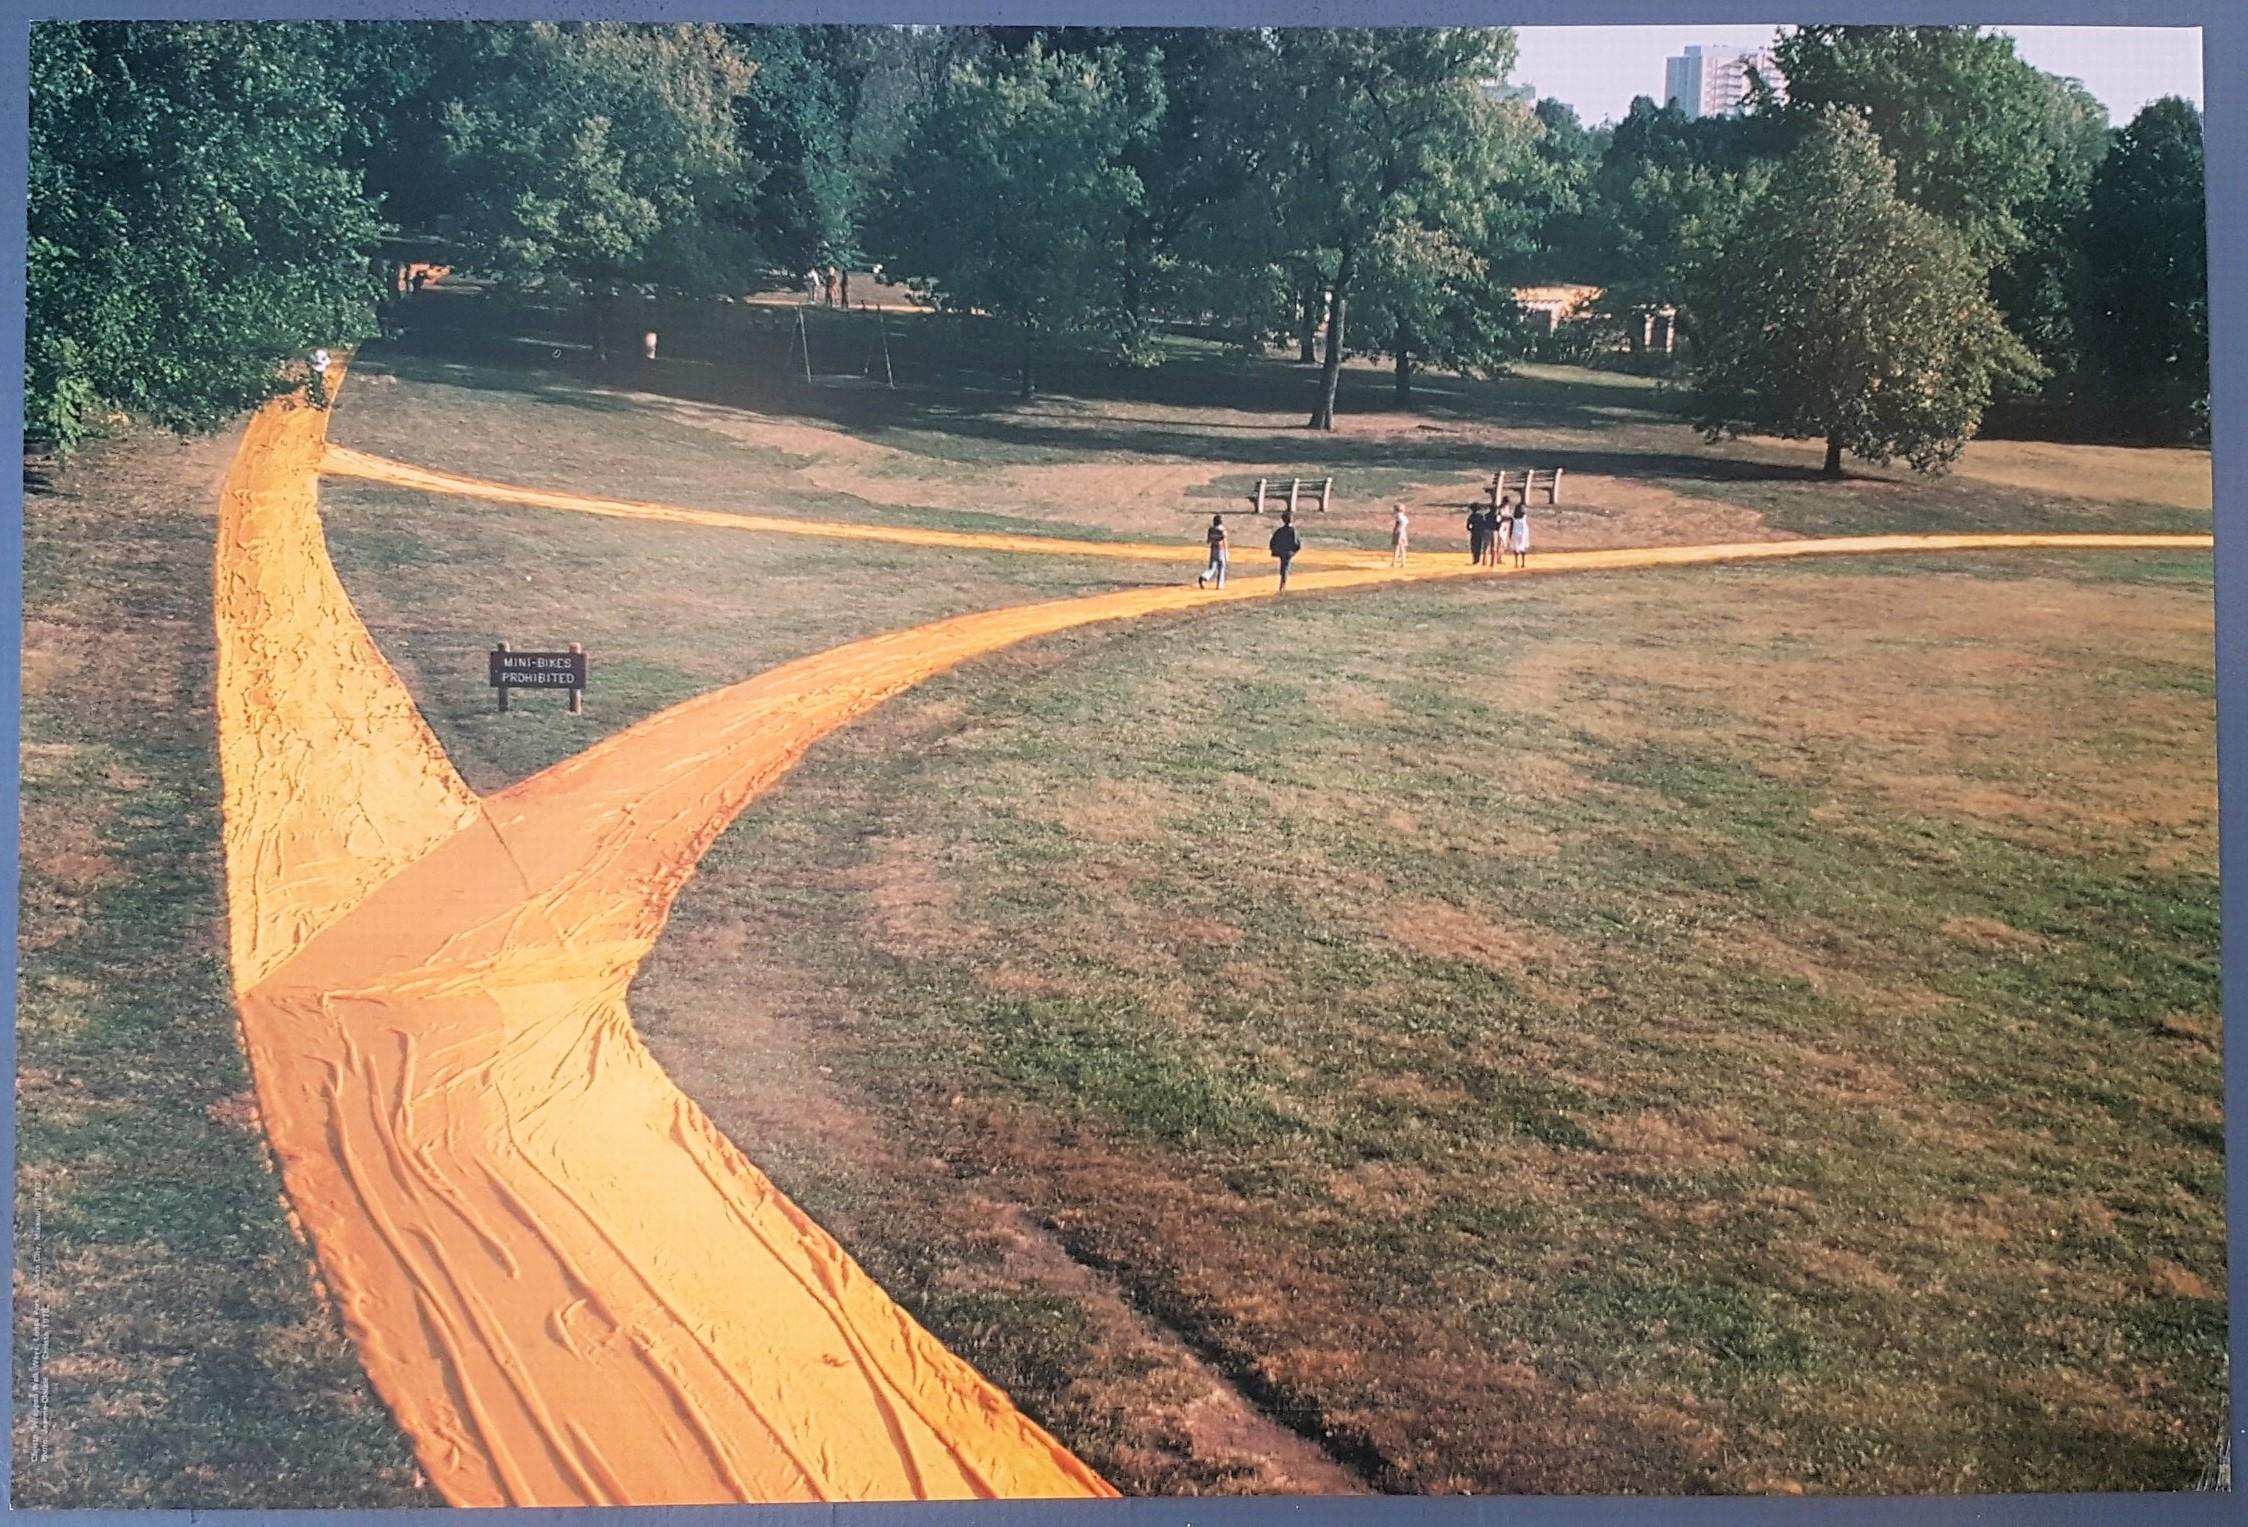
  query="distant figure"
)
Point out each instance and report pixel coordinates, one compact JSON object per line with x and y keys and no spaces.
{"x":648,"y":344}
{"x":1214,"y":574}
{"x":318,"y":391}
{"x":1479,"y":522}
{"x":1285,"y":544}
{"x":1521,"y":538}
{"x":846,"y":288}
{"x":418,"y":280}
{"x":1397,"y":526}
{"x":834,"y":285}
{"x":812,"y":285}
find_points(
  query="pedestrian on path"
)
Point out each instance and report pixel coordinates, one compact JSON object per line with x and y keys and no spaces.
{"x":1397,"y":529}
{"x":1520,"y":540}
{"x":1479,"y":522}
{"x":319,"y":388}
{"x":1214,"y":574}
{"x":1285,"y":544}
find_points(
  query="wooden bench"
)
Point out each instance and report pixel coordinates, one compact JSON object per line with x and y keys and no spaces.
{"x":1297,"y":487}
{"x":1525,"y":483}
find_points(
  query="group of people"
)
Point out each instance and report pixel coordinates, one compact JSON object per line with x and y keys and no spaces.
{"x":1284,"y":545}
{"x":829,"y":288}
{"x":1492,"y":532}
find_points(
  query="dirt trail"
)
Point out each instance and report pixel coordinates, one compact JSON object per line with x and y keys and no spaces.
{"x":567,"y":1284}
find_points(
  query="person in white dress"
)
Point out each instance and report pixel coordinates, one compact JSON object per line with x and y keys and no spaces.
{"x":1519,"y":540}
{"x":1397,"y":529}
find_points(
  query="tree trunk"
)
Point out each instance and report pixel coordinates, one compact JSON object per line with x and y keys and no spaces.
{"x":1307,"y":320}
{"x":1404,"y":344}
{"x":1330,"y":374}
{"x":1029,"y":364}
{"x":1135,"y":255}
{"x":601,"y":329}
{"x":1834,"y":456}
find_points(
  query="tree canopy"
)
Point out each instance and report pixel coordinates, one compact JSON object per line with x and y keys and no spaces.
{"x":1837,"y":310}
{"x":599,"y":154}
{"x":2147,"y":258}
{"x":192,"y":223}
{"x":1016,"y":200}
{"x":206,"y":198}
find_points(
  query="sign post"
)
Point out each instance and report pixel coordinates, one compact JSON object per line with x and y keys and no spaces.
{"x":539,"y":670}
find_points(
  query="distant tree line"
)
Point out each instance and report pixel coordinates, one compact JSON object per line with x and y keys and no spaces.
{"x":1919,"y":228}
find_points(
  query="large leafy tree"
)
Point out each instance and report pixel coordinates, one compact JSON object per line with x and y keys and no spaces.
{"x":191,"y":221}
{"x":1358,"y":137}
{"x":2147,"y":258}
{"x":1011,"y":196}
{"x":2041,"y":288}
{"x":1839,"y":311}
{"x":795,"y":130}
{"x":592,"y":156}
{"x":1968,"y":124}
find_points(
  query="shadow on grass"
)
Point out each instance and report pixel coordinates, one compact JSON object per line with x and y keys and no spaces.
{"x":971,"y":412}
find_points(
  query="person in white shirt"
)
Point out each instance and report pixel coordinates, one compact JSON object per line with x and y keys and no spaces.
{"x":1397,"y":538}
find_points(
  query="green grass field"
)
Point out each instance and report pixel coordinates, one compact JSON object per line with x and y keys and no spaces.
{"x":1653,"y":1034}
{"x":172,"y":1348}
{"x":1730,"y":1029}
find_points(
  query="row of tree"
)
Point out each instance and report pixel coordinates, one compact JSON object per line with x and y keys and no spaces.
{"x":1920,"y":223}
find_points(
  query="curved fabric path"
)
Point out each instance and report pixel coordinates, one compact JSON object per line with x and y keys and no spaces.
{"x":342,"y":461}
{"x":566,"y":1283}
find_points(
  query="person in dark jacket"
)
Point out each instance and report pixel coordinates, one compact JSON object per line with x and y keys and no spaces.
{"x":1478,"y":533}
{"x":1285,"y":544}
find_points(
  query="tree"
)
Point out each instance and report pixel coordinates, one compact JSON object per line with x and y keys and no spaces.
{"x":1011,"y":197}
{"x":1354,"y":136}
{"x":1837,"y":310}
{"x":191,"y":224}
{"x":794,"y":127}
{"x":1966,"y":121}
{"x":591,"y":156}
{"x":2041,"y":289}
{"x":2147,"y":260}
{"x":1440,"y":303}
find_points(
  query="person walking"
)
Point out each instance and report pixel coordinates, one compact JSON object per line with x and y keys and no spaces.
{"x":1397,"y":528}
{"x":319,"y":388}
{"x":1520,"y":540}
{"x":1214,"y":574}
{"x":1478,"y":533}
{"x":1285,"y":544}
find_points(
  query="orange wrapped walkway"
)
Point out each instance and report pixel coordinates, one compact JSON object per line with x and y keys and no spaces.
{"x":568,"y":1286}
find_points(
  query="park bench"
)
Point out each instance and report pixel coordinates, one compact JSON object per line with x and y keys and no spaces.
{"x":1525,"y":483}
{"x":1297,"y":486}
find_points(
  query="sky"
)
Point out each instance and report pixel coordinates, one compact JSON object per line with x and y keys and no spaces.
{"x":1599,"y":69}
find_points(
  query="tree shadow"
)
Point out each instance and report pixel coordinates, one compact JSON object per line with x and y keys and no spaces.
{"x":961,"y":403}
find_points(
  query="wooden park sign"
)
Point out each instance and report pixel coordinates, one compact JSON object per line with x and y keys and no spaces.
{"x":539,"y":670}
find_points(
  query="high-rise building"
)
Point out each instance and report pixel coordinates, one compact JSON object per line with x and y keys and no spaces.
{"x":1712,"y":81}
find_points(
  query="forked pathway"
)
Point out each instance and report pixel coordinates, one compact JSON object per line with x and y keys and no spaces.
{"x":566,"y":1283}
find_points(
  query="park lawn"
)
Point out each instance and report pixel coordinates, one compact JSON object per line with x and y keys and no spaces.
{"x":1149,"y":453}
{"x":665,"y":612}
{"x":1732,"y":1030}
{"x":171,"y":1347}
